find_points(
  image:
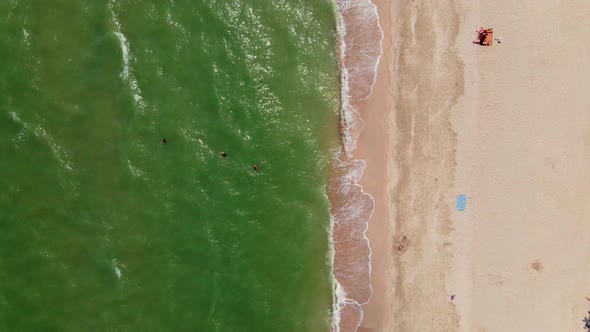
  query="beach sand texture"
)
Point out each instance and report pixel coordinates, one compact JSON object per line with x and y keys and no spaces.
{"x":509,"y":127}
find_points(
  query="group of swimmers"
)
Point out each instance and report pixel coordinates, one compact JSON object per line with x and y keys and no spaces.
{"x":222,"y":154}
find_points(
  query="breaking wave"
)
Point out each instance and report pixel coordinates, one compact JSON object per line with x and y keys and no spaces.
{"x":127,"y":72}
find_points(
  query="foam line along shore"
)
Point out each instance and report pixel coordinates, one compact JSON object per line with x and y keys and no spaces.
{"x":359,"y":50}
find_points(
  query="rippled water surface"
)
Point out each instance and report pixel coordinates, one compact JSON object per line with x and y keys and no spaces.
{"x":105,"y":228}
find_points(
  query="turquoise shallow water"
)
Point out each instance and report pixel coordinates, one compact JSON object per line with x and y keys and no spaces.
{"x":105,"y":228}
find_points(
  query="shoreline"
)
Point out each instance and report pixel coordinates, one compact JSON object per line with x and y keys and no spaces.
{"x":373,"y":146}
{"x":359,"y":45}
{"x":408,"y":144}
{"x":441,"y":121}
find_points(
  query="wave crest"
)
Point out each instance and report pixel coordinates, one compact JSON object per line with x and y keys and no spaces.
{"x":127,"y":72}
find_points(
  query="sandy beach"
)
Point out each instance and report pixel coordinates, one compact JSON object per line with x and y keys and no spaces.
{"x":509,"y":127}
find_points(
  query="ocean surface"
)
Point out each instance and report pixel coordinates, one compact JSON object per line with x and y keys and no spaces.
{"x":103,"y":227}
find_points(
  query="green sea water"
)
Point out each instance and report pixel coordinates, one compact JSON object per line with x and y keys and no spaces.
{"x":103,"y":227}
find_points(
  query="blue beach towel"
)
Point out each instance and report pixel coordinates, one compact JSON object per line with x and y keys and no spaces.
{"x":461,"y":202}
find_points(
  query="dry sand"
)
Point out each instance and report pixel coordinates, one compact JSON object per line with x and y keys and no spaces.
{"x":508,"y":126}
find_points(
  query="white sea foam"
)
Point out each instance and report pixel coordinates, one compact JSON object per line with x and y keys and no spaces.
{"x":358,"y":62}
{"x":26,"y":39}
{"x":177,"y":26}
{"x":127,"y":72}
{"x":117,"y":268}
{"x":358,"y":65}
{"x":351,"y":211}
{"x":58,"y":151}
{"x":136,"y":171}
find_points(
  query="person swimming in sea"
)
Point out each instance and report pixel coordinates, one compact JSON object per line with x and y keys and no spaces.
{"x":165,"y":140}
{"x":222,"y":154}
{"x":255,"y":167}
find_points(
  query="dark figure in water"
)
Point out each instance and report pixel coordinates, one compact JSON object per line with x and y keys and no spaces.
{"x":223,"y":154}
{"x":255,"y":167}
{"x":164,"y":141}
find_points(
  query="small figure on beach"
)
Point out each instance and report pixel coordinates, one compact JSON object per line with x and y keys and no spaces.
{"x":222,"y":154}
{"x":482,"y":37}
{"x":452,"y":297}
{"x":485,"y":37}
{"x":165,"y":140}
{"x":255,"y":167}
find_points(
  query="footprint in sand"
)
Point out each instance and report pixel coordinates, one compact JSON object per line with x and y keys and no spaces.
{"x":401,"y":244}
{"x":550,"y":162}
{"x":537,"y":267}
